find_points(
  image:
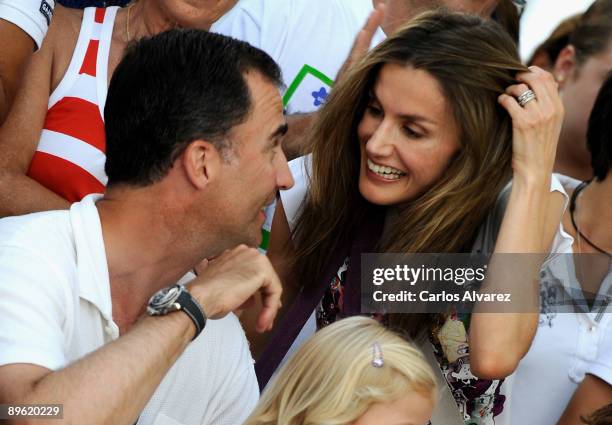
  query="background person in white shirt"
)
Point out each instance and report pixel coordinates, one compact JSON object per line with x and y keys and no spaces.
{"x":593,"y":217}
{"x":192,"y":118}
{"x":572,"y":348}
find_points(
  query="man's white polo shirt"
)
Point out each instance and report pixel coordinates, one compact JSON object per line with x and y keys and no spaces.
{"x":55,"y":307}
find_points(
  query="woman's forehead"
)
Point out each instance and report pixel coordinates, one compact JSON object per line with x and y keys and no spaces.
{"x":410,"y":91}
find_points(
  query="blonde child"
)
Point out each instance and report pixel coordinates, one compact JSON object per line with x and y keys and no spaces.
{"x":354,"y":371}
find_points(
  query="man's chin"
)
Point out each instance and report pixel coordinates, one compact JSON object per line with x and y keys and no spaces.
{"x":252,"y":241}
{"x":255,"y":239}
{"x":251,"y":237}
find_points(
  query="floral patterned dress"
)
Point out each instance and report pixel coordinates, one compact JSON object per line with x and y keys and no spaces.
{"x":478,"y":400}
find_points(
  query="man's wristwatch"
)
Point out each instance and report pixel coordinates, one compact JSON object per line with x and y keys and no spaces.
{"x":174,"y":298}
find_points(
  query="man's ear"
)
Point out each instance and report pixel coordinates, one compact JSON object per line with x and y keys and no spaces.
{"x":201,"y":162}
{"x":565,"y":65}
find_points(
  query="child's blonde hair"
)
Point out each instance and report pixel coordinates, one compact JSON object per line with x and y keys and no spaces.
{"x":331,"y":378}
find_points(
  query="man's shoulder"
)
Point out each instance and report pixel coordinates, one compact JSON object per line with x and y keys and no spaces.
{"x":37,"y":292}
{"x":46,"y":233}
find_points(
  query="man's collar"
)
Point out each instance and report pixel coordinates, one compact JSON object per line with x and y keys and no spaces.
{"x":92,"y":267}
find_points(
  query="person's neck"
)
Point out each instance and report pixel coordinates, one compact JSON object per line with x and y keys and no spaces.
{"x":147,"y":19}
{"x":568,"y":163}
{"x":144,"y":251}
{"x":595,"y":201}
{"x":568,"y":166}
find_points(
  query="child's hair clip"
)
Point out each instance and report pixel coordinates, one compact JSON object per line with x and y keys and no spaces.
{"x":377,"y":355}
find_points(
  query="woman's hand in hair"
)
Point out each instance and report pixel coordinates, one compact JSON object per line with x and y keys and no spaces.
{"x":530,"y":220}
{"x":536,"y":125}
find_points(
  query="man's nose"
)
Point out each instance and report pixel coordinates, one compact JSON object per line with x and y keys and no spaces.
{"x":284,"y":178}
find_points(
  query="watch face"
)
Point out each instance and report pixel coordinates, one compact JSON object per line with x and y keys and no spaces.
{"x":163,"y":301}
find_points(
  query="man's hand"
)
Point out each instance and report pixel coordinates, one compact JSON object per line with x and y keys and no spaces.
{"x":230,"y":280}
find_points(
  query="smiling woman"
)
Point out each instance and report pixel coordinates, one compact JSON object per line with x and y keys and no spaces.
{"x":411,"y":153}
{"x":407,"y":134}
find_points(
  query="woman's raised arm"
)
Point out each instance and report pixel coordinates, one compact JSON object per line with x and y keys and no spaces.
{"x":499,"y":340}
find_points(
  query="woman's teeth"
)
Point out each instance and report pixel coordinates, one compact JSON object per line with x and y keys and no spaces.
{"x":388,"y":173}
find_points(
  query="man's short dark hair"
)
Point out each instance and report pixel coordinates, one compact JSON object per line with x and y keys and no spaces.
{"x":171,"y":89}
{"x":599,"y":133}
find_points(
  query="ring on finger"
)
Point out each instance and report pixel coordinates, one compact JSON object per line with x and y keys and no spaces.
{"x":526,"y":97}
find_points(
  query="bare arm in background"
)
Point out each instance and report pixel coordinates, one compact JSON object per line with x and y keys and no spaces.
{"x":294,"y":142}
{"x":16,"y":49}
{"x":20,"y":133}
{"x":592,"y":394}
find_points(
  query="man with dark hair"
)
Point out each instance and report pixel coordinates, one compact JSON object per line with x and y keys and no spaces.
{"x":194,"y":122}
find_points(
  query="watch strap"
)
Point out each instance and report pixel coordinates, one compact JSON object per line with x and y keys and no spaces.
{"x":193,"y":309}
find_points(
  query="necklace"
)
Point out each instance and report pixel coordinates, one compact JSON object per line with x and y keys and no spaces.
{"x":572,"y":208}
{"x":127,"y":23}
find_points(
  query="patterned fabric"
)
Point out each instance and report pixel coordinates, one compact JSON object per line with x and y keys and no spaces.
{"x":70,"y":156}
{"x":478,"y":400}
{"x":330,"y":308}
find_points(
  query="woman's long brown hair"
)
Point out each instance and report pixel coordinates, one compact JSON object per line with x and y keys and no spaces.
{"x":473,"y":60}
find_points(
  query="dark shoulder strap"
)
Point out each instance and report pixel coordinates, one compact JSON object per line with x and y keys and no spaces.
{"x":366,"y":237}
{"x":364,"y":240}
{"x":292,"y":323}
